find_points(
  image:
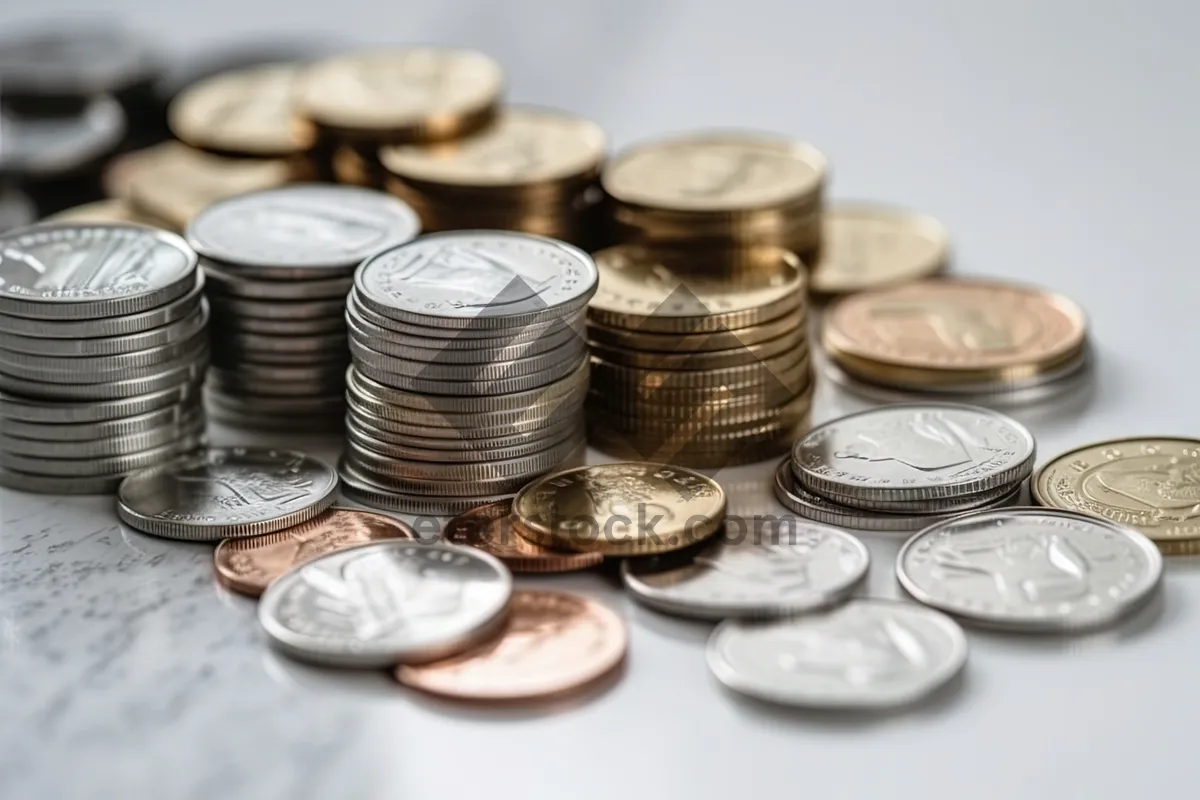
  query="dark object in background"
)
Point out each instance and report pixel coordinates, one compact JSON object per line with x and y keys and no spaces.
{"x":16,"y":209}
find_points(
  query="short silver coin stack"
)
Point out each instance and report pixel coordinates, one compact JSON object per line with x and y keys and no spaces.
{"x":278,"y":264}
{"x":103,"y":349}
{"x":469,"y":372}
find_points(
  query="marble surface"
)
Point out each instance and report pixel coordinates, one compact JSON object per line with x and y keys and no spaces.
{"x":1057,"y":142}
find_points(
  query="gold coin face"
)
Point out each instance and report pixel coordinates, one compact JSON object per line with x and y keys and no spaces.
{"x":865,"y":246}
{"x":523,"y":146}
{"x":628,"y":508}
{"x":248,"y":112}
{"x":716,"y":172}
{"x":961,"y":324}
{"x":1149,"y":484}
{"x":399,"y":90}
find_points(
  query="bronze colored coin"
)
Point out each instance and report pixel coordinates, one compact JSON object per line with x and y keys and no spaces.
{"x":113,"y":210}
{"x":864,"y":246}
{"x":491,"y":528}
{"x":1151,"y":484}
{"x":249,"y":565}
{"x":402,"y":95}
{"x":552,"y":643}
{"x":247,"y":112}
{"x":623,"y":509}
{"x":961,"y":330}
{"x":716,"y":172}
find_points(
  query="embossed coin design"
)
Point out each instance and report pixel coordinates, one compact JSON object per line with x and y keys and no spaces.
{"x":491,"y":528}
{"x":386,"y":603}
{"x":1031,"y":569}
{"x":866,"y":245}
{"x":553,"y":643}
{"x":1151,"y":484}
{"x":223,"y":492}
{"x":622,"y":509}
{"x":788,"y":566}
{"x":249,"y":565}
{"x":866,"y":654}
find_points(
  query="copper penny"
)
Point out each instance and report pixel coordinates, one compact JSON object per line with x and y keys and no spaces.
{"x":249,"y":565}
{"x":493,"y":529}
{"x":553,"y":642}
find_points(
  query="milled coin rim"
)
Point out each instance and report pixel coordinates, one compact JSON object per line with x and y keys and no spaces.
{"x":361,"y":489}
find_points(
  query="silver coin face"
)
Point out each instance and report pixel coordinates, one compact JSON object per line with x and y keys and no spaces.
{"x":60,"y":143}
{"x":788,"y":567}
{"x":864,"y":654}
{"x":914,"y":451}
{"x":1030,"y":569}
{"x":64,"y":264}
{"x":469,"y":274}
{"x":387,"y":603}
{"x":313,"y":226}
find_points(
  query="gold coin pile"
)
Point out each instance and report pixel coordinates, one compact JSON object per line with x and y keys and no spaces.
{"x":695,"y":361}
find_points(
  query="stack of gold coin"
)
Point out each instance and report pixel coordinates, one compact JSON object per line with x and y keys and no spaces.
{"x":969,"y":339}
{"x":718,"y":191}
{"x":698,"y":362}
{"x":356,"y":103}
{"x":532,"y":171}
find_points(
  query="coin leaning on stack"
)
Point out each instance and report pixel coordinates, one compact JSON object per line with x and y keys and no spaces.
{"x":469,"y":369}
{"x":278,"y":266}
{"x":699,"y":362}
{"x":103,"y":347}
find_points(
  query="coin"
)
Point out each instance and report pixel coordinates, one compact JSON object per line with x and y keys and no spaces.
{"x":867,"y":245}
{"x":73,"y":61}
{"x":187,"y":369}
{"x":117,"y":446}
{"x":66,"y":413}
{"x":866,"y":654}
{"x":103,"y":467}
{"x":97,"y":369}
{"x":551,"y":644}
{"x":914,"y":452}
{"x":225,"y":492}
{"x":362,"y":488}
{"x":628,"y":508}
{"x":1031,"y":569}
{"x":491,"y":528}
{"x":249,"y":565}
{"x":386,"y":603}
{"x":112,"y":210}
{"x":42,"y":146}
{"x":45,"y":431}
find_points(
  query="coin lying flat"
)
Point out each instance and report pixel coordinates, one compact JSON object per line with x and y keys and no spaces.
{"x":866,"y":245}
{"x":386,"y":603}
{"x":224,"y":492}
{"x":551,"y":644}
{"x":1031,"y":569}
{"x":491,"y":528}
{"x":788,"y":567}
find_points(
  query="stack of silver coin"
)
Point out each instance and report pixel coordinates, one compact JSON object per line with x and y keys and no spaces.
{"x":278,"y":264}
{"x":103,"y":347}
{"x":470,"y":369}
{"x":906,"y":466}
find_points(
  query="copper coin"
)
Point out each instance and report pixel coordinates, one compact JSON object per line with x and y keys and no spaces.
{"x":493,"y":529}
{"x":553,"y":642}
{"x":249,"y":565}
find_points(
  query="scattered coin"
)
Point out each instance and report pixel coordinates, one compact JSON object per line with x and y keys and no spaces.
{"x":867,"y":245}
{"x":492,"y":528}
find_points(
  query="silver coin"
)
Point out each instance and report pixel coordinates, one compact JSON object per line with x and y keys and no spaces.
{"x":87,"y":271}
{"x":435,"y":438}
{"x":100,"y":369}
{"x":311,"y":326}
{"x":477,"y":279}
{"x":123,"y":445}
{"x":383,"y":459}
{"x":88,"y":467}
{"x":172,"y":333}
{"x":302,"y":230}
{"x":316,"y":406}
{"x":298,"y":345}
{"x":225,"y":492}
{"x":914,"y":452}
{"x":789,"y":567}
{"x":362,"y":488}
{"x":51,"y":145}
{"x":186,"y":370}
{"x":41,"y":484}
{"x":74,"y":60}
{"x":485,"y":387}
{"x":468,"y":451}
{"x":227,"y":281}
{"x":407,"y":421}
{"x":569,"y":353}
{"x":521,"y":332}
{"x":54,"y":412}
{"x":926,"y":507}
{"x":1031,"y":569}
{"x":866,"y":654}
{"x":274,"y":422}
{"x":386,"y":603}
{"x":378,"y":472}
{"x":278,"y":310}
{"x":172,"y":414}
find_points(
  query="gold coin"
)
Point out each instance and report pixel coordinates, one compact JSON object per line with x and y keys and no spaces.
{"x":402,"y":95}
{"x":122,"y":171}
{"x":742,"y":355}
{"x":864,"y":246}
{"x":247,"y":112}
{"x":1151,"y":484}
{"x":112,"y":210}
{"x":623,"y":509}
{"x":493,"y":529}
{"x":961,"y":330}
{"x":703,"y":342}
{"x":716,"y":172}
{"x":701,"y":455}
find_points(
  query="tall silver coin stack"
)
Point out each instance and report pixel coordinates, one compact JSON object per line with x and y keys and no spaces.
{"x":103,"y":348}
{"x":906,"y":466}
{"x":469,"y":369}
{"x":278,"y":265}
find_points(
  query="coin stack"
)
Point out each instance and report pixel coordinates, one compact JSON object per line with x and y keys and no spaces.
{"x":470,"y":369}
{"x":902,"y":467}
{"x":103,"y":348}
{"x":696,"y":362}
{"x":278,"y":265}
{"x":532,"y":170}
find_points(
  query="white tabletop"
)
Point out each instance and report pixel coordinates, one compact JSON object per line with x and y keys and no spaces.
{"x":1057,"y":141}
